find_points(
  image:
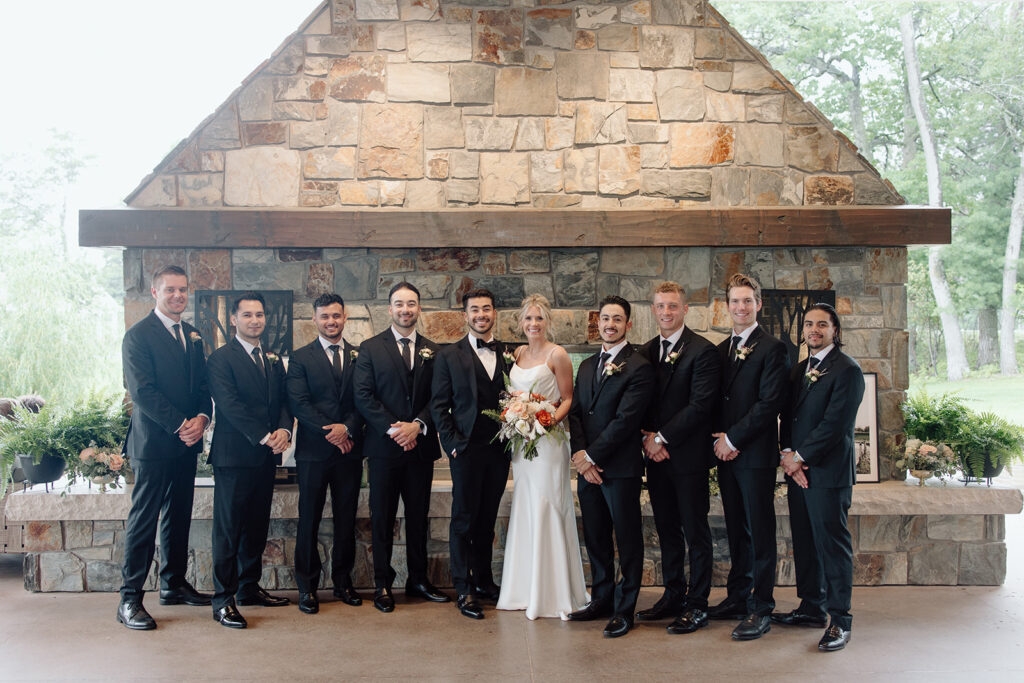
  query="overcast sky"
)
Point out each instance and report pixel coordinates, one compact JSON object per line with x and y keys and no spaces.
{"x":128,"y":79}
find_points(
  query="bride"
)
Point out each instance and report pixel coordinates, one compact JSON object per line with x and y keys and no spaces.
{"x":543,"y":570}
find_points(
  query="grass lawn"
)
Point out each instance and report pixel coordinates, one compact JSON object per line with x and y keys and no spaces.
{"x":1004,"y":396}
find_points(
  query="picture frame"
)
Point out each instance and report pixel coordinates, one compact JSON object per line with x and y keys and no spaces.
{"x":865,"y":432}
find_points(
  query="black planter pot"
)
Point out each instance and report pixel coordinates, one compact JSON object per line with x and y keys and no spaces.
{"x":991,"y":471}
{"x":49,"y":469}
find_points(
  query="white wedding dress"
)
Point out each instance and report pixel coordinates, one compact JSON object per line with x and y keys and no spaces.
{"x":543,"y":570}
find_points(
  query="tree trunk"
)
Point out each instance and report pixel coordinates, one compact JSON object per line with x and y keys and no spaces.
{"x":912,"y":351}
{"x":860,"y":131}
{"x":956,"y":355}
{"x":988,"y":323}
{"x":1008,"y":313}
{"x":909,"y":132}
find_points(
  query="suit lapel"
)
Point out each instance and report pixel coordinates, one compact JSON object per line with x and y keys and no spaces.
{"x":805,"y":387}
{"x":665,"y":374}
{"x":619,"y":359}
{"x":391,"y":348}
{"x":734,"y":366}
{"x":254,"y":372}
{"x":468,"y":354}
{"x":347,"y":366}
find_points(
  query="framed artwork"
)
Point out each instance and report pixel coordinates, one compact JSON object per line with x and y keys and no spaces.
{"x":213,"y":319}
{"x":865,"y":432}
{"x":782,"y":314}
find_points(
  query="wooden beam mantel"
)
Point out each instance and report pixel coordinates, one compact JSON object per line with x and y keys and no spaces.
{"x":780,"y":226}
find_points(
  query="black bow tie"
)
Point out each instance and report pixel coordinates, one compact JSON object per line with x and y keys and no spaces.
{"x":492,"y":345}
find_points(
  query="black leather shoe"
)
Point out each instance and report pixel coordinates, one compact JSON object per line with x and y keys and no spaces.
{"x":132,"y":614}
{"x":491,"y":592}
{"x":424,"y":590}
{"x":184,"y":595}
{"x":798,"y":618}
{"x":618,"y":626}
{"x":263,"y":599}
{"x":664,"y":608}
{"x":469,"y":607}
{"x":348,"y":596}
{"x":229,"y":616}
{"x":688,"y":622}
{"x":834,"y":639}
{"x":752,"y":628}
{"x":383,"y":600}
{"x":309,"y":603}
{"x":591,"y":612}
{"x":728,"y":609}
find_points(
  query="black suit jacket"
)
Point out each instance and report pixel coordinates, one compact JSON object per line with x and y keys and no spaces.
{"x":818,"y":419}
{"x":167,"y":385}
{"x":248,"y":406}
{"x":386,"y":392}
{"x":753,"y":393}
{"x":453,"y":405}
{"x":605,"y":422}
{"x":684,"y":401}
{"x":316,"y":401}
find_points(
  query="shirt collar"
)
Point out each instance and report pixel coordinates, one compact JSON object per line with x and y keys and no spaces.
{"x":674,"y":338}
{"x":168,"y":322}
{"x":614,"y":351}
{"x":820,"y":355}
{"x":327,"y":342}
{"x":246,"y":345}
{"x":745,"y":334}
{"x":398,"y":337}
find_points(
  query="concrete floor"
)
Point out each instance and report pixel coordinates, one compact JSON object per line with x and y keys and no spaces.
{"x":900,"y":633}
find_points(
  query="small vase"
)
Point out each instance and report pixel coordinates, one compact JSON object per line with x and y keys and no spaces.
{"x":922,"y":475}
{"x":103,"y":481}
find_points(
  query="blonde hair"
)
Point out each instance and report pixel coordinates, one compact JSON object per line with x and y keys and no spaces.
{"x":742,"y":280}
{"x":669,"y":287}
{"x":540,"y":302}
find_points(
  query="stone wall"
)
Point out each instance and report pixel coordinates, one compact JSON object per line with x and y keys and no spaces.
{"x":889,"y":549}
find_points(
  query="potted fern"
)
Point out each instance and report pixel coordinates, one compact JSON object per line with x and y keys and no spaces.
{"x":988,"y":444}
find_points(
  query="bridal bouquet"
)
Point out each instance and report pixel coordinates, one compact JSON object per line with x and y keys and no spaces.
{"x":524,"y":417}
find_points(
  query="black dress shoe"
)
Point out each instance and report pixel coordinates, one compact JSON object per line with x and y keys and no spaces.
{"x":424,"y":590}
{"x":264,"y":599}
{"x":728,"y":609}
{"x":132,"y":614}
{"x":834,"y":639}
{"x":348,"y":596}
{"x":491,"y":592}
{"x":618,"y":626}
{"x":184,"y":595}
{"x":229,"y":616}
{"x":383,"y":600}
{"x":591,"y":612}
{"x":752,"y":628}
{"x":309,"y":603}
{"x":688,"y":622}
{"x":798,"y":618}
{"x":469,"y":607}
{"x":664,"y":608}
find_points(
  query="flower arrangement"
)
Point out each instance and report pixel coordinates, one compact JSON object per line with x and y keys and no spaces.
{"x":426,"y":354}
{"x":743,"y":351}
{"x":613,"y":368}
{"x":524,"y":417}
{"x":101,"y":467}
{"x":928,"y":456}
{"x":812,"y":376}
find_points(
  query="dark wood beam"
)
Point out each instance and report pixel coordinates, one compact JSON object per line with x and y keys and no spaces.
{"x":780,"y":226}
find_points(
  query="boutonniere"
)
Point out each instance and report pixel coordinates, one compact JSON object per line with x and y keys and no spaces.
{"x":613,"y":368}
{"x":743,"y":351}
{"x":812,"y":376}
{"x":509,"y":357}
{"x":194,"y":337}
{"x":353,"y":354}
{"x":272,"y":358}
{"x":426,"y":354}
{"x":673,"y":357}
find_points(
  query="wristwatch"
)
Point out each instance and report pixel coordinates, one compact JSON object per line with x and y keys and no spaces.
{"x":658,"y":440}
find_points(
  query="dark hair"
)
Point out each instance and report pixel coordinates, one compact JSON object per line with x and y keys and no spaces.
{"x":616,"y":300}
{"x":742,"y":280}
{"x":248,"y":296}
{"x":478,"y":293}
{"x":821,"y":306}
{"x":167,"y":270}
{"x":404,"y":285}
{"x":325,"y":300}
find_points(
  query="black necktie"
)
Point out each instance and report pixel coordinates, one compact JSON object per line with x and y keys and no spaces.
{"x":735,"y":345}
{"x":406,"y":352}
{"x":258,"y":357}
{"x":812,"y":362}
{"x":666,"y":346}
{"x":336,"y":361}
{"x":600,"y":365}
{"x":177,"y":335}
{"x":492,"y":345}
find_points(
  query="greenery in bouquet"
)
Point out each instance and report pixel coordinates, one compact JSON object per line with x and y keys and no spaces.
{"x":928,"y":456}
{"x":523,"y":417}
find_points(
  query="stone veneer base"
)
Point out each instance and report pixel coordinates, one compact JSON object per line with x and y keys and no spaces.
{"x":902,"y":535}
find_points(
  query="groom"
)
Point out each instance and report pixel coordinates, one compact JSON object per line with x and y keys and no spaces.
{"x":468,"y":378}
{"x":609,"y":401}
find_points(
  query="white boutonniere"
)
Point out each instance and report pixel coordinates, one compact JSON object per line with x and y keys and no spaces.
{"x":272,"y":358}
{"x":353,"y":354}
{"x":194,"y":337}
{"x":613,"y":368}
{"x":673,"y":357}
{"x":426,"y":354}
{"x":812,"y":376}
{"x":509,"y":357}
{"x":743,"y":351}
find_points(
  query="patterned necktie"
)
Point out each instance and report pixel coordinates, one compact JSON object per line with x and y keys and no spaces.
{"x":406,"y":352}
{"x":258,"y":357}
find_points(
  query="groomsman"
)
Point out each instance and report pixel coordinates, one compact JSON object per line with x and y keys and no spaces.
{"x":165,"y":373}
{"x":253,"y":427}
{"x":753,"y":391}
{"x":328,"y":452}
{"x":468,"y":378}
{"x":613,"y":389}
{"x":820,"y":462}
{"x":392,"y":389}
{"x":678,"y":457}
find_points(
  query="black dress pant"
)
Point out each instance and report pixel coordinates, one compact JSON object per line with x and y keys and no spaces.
{"x":748,"y":499}
{"x":241,"y":518}
{"x":162,"y":496}
{"x":479,"y":476}
{"x":822,"y":551}
{"x":613,"y":506}
{"x":680,"y":503}
{"x":343,"y":477}
{"x":408,"y":477}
